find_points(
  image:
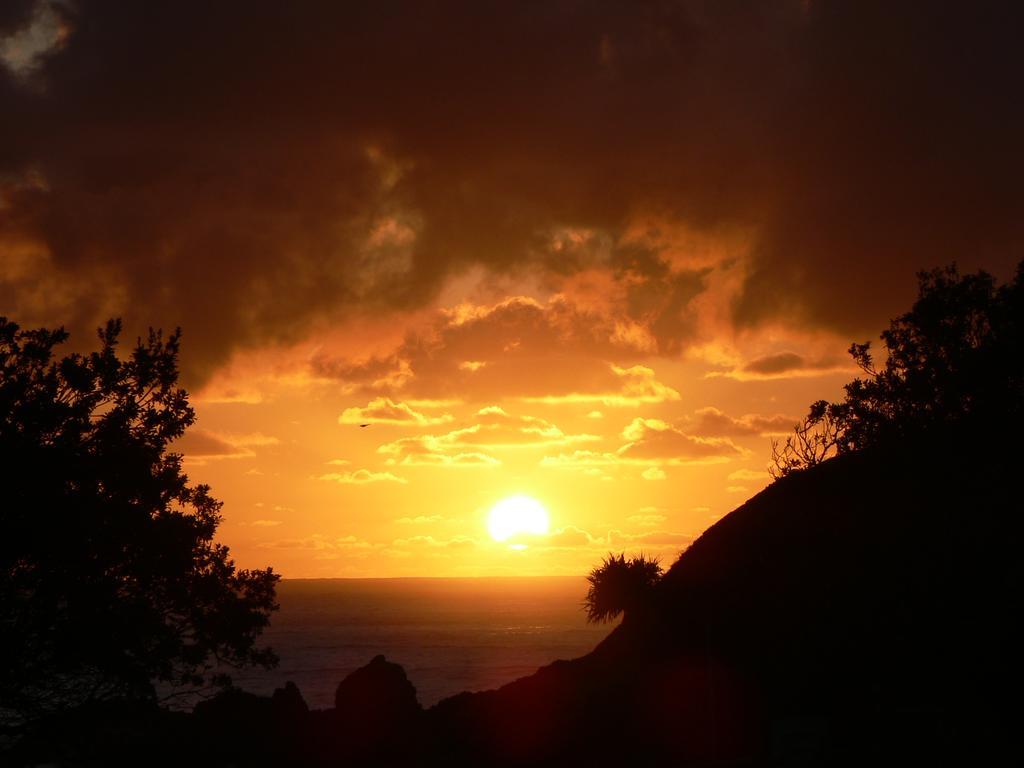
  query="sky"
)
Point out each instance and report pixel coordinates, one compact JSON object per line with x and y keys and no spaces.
{"x":599,"y":254}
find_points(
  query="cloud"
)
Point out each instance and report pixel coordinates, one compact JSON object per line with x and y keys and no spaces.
{"x":665,"y":543}
{"x":256,"y":439}
{"x":166,"y":167}
{"x":324,"y":547}
{"x":318,"y":542}
{"x":570,"y":536}
{"x":229,"y":395}
{"x":652,"y":539}
{"x":28,"y":35}
{"x":784,"y":365}
{"x":582,"y":459}
{"x":647,"y":519}
{"x":496,"y":427}
{"x":201,"y":446}
{"x":655,"y":439}
{"x":16,"y":16}
{"x":265,"y":523}
{"x":661,"y":542}
{"x":638,"y":386}
{"x":384,"y":410}
{"x":420,"y":519}
{"x":652,"y":444}
{"x":774,"y":364}
{"x":711,"y":422}
{"x":556,"y":351}
{"x":197,"y":443}
{"x":749,"y":474}
{"x":361,"y":477}
{"x":493,"y":428}
{"x":427,"y":459}
{"x":430,"y":543}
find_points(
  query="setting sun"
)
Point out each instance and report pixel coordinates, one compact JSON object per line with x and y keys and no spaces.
{"x":517,"y":514}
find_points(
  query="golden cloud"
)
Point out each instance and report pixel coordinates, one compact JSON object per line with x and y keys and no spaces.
{"x":638,"y":386}
{"x":429,"y":546}
{"x":749,"y":474}
{"x":647,"y":519}
{"x":384,"y":410}
{"x":427,"y":459}
{"x":493,"y":428}
{"x":362,"y":477}
{"x":420,"y":519}
{"x":319,"y":543}
{"x":655,"y":439}
{"x":549,"y":352}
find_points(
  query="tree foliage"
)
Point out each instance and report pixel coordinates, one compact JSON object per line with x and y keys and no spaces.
{"x":619,"y":585}
{"x":814,"y":439}
{"x":109,"y":575}
{"x":955,"y":361}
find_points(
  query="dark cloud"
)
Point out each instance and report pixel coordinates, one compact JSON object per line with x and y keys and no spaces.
{"x":15,"y":15}
{"x":518,"y":347}
{"x":198,"y":443}
{"x":248,"y":169}
{"x":711,"y":422}
{"x":783,"y":365}
{"x":900,"y":153}
{"x":780,"y":363}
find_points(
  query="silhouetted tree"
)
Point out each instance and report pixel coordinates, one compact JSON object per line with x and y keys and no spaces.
{"x":814,"y":439}
{"x":109,"y":575}
{"x":619,"y":585}
{"x":955,"y":361}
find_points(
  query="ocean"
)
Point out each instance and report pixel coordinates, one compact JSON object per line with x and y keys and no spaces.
{"x":450,"y":635}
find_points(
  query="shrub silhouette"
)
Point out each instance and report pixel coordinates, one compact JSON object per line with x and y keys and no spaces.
{"x":956,"y":360}
{"x":619,"y":585}
{"x":109,"y":575}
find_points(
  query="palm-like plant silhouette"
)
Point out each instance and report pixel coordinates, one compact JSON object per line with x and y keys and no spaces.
{"x":618,"y":585}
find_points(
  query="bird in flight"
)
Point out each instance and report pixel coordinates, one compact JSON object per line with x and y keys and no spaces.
{"x":364,"y":425}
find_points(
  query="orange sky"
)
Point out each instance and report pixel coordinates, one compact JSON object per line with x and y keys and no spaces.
{"x":474,"y":401}
{"x":596,"y":253}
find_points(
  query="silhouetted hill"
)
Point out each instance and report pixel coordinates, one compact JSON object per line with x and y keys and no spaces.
{"x":861,"y":612}
{"x":858,"y":611}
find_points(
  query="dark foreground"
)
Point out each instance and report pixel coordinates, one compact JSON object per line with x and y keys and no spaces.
{"x":860,"y":613}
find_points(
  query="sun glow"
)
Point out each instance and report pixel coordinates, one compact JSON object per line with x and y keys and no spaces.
{"x":517,"y":514}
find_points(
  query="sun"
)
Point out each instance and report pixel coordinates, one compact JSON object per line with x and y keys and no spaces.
{"x":517,"y":514}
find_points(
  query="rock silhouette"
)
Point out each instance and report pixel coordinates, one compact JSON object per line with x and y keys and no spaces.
{"x":380,"y":692}
{"x":287,"y":703}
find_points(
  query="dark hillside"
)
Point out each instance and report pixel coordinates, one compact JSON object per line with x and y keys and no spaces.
{"x":860,"y":610}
